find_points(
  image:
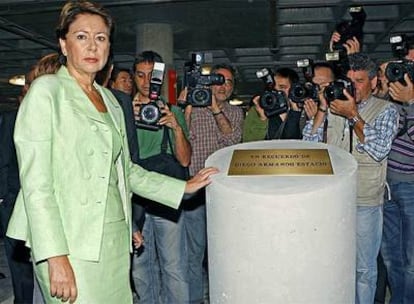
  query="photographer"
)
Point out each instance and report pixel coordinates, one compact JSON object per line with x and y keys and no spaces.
{"x":351,"y":46}
{"x":258,"y":126}
{"x":397,"y":248}
{"x":323,"y":75}
{"x":365,"y":126}
{"x":163,"y":249}
{"x":211,"y":128}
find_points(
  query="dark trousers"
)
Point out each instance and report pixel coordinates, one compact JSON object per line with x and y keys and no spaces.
{"x":21,"y":270}
{"x":381,"y":282}
{"x":18,"y":259}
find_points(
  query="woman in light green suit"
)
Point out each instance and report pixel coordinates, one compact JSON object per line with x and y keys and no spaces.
{"x":74,"y":206}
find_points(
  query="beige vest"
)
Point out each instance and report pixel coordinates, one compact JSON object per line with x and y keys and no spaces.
{"x":371,"y":174}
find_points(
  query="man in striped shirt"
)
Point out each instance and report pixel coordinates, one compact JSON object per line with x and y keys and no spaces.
{"x":397,"y":248}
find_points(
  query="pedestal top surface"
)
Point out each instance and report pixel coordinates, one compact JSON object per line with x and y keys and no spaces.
{"x":343,"y":164}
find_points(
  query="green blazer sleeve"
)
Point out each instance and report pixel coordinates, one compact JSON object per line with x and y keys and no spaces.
{"x":33,"y":139}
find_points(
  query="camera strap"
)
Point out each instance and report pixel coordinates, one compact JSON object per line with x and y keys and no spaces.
{"x":351,"y":137}
{"x":270,"y":133}
{"x":166,"y":140}
{"x":325,"y":131}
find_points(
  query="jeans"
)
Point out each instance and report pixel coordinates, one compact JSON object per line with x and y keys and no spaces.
{"x":159,"y":269}
{"x":397,"y":246}
{"x":369,"y":231}
{"x":195,"y":225}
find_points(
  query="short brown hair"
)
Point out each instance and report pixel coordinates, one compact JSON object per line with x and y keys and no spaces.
{"x":72,"y":9}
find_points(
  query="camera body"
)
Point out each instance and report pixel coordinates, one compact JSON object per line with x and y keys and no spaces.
{"x":198,"y":84}
{"x":273,"y":102}
{"x":395,"y":70}
{"x":335,"y":89}
{"x":150,"y":113}
{"x":299,"y":92}
{"x":352,"y":28}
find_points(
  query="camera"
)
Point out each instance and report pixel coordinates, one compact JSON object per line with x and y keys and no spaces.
{"x":335,"y":89}
{"x":395,"y":70}
{"x":301,"y":91}
{"x":197,"y":83}
{"x":150,"y":113}
{"x":272,"y":101}
{"x":400,"y":45}
{"x":349,"y":29}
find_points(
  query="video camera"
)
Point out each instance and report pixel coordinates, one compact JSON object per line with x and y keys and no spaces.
{"x":198,"y":84}
{"x":349,"y":29}
{"x":150,"y":113}
{"x":272,"y":101}
{"x":301,"y":91}
{"x":396,"y":69}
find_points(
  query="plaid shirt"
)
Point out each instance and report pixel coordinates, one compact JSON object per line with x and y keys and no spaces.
{"x":378,"y":136}
{"x":206,"y":137}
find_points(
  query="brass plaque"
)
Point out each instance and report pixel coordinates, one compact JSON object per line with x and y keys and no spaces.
{"x":280,"y":162}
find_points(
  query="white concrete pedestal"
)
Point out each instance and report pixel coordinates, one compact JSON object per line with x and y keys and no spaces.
{"x":282,"y":239}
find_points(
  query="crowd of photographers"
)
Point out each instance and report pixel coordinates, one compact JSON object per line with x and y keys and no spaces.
{"x":352,"y":102}
{"x":366,"y":109}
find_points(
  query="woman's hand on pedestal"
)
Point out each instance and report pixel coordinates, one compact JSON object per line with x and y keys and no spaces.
{"x":200,"y":180}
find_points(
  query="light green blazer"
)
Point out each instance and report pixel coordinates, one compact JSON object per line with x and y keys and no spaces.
{"x":64,"y":150}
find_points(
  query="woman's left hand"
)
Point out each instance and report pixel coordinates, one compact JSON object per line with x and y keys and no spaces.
{"x":137,"y":239}
{"x":200,"y":180}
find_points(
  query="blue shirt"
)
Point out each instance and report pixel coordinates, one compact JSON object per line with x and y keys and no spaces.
{"x":378,"y":136}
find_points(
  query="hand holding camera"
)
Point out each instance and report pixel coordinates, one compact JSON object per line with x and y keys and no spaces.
{"x":168,"y":118}
{"x":311,"y":108}
{"x":344,"y":107}
{"x":258,"y":108}
{"x":349,"y":34}
{"x":351,"y":45}
{"x":401,"y":92}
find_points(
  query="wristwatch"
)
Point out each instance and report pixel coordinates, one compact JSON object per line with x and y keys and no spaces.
{"x":352,"y":121}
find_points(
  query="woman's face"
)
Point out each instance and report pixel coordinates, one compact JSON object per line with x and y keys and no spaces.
{"x":86,"y":46}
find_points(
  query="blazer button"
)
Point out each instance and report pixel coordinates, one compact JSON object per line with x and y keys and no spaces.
{"x":86,"y":175}
{"x":90,"y":152}
{"x":83,"y":202}
{"x":94,"y":128}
